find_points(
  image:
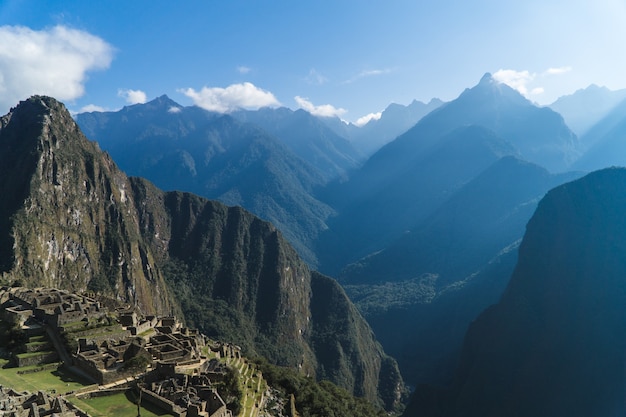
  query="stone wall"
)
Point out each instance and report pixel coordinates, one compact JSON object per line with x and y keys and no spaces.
{"x":170,"y":407}
{"x":43,"y":357}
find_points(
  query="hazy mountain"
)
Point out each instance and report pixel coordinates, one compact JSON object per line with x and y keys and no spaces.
{"x":373,"y":221}
{"x":475,"y":223}
{"x":554,"y":345}
{"x":585,"y":107}
{"x":606,"y":141}
{"x":308,"y":137}
{"x":449,"y":268}
{"x":72,"y":220}
{"x":394,"y":120}
{"x":401,"y":184}
{"x":219,"y":157}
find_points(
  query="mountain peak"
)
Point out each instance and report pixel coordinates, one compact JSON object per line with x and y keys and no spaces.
{"x":486,"y":78}
{"x":162,"y":102}
{"x":38,"y":118}
{"x":38,"y":105}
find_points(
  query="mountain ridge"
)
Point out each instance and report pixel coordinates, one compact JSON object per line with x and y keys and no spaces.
{"x":79,"y":223}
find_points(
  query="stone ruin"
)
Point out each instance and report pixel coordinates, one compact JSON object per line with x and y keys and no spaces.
{"x":25,"y":404}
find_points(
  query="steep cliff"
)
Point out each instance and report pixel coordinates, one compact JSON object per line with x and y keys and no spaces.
{"x":71,"y":219}
{"x":555,"y":344}
{"x":238,"y":279}
{"x":68,"y":219}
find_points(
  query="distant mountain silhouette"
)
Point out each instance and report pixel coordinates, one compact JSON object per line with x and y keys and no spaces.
{"x":606,"y":142}
{"x":555,"y":344}
{"x":218,"y":157}
{"x":385,"y":193}
{"x":394,"y":120}
{"x":308,"y":137}
{"x":371,"y":222}
{"x":469,"y":246}
{"x":586,"y":107}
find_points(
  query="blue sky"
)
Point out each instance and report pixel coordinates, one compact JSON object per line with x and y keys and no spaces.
{"x":341,"y":57}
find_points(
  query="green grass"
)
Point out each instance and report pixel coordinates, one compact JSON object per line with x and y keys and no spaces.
{"x":60,"y":380}
{"x":32,"y":354}
{"x":37,"y":343}
{"x":34,"y":339}
{"x":118,"y":405}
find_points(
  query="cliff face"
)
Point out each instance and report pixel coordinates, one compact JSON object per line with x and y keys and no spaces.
{"x":555,"y":344}
{"x":72,"y":220}
{"x":238,"y":279}
{"x":68,"y":216}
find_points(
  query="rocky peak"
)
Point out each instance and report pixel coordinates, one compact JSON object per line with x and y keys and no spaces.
{"x":70,"y":221}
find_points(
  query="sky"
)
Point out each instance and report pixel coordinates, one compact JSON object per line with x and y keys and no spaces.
{"x":345,"y":58}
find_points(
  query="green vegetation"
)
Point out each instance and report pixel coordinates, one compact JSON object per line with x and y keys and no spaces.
{"x":316,"y":399}
{"x":372,"y":299}
{"x":137,"y":363}
{"x":230,"y":390}
{"x":12,"y":337}
{"x":118,"y":405}
{"x":55,"y":380}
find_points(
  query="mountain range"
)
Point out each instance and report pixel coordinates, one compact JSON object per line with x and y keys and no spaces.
{"x":586,"y":107}
{"x":220,"y":157}
{"x":73,"y":220}
{"x":423,"y":234}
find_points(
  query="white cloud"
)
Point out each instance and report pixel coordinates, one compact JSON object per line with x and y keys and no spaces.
{"x":558,"y":71}
{"x":53,"y":62}
{"x":362,"y":121}
{"x":526,"y":82}
{"x":368,"y":73}
{"x":324,"y":110}
{"x":235,"y":96}
{"x":90,"y":108}
{"x":315,"y":77}
{"x":517,"y":80}
{"x":242,"y":69}
{"x":174,"y":109}
{"x":133,"y":96}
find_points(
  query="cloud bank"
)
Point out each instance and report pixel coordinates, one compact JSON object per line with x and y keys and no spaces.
{"x":52,"y":62}
{"x":133,"y":96}
{"x":235,"y":96}
{"x":523,"y":81}
{"x":362,"y":121}
{"x":324,"y":110}
{"x":517,"y":80}
{"x":91,"y":108}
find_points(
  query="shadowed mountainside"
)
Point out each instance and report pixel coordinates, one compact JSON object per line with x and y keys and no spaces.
{"x":554,"y":344}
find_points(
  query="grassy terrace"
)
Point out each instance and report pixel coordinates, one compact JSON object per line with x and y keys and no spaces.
{"x":53,"y":380}
{"x":252,"y":385}
{"x":118,"y":405}
{"x":60,"y":381}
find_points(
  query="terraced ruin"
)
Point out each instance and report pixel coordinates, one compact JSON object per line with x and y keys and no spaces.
{"x":80,"y":350}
